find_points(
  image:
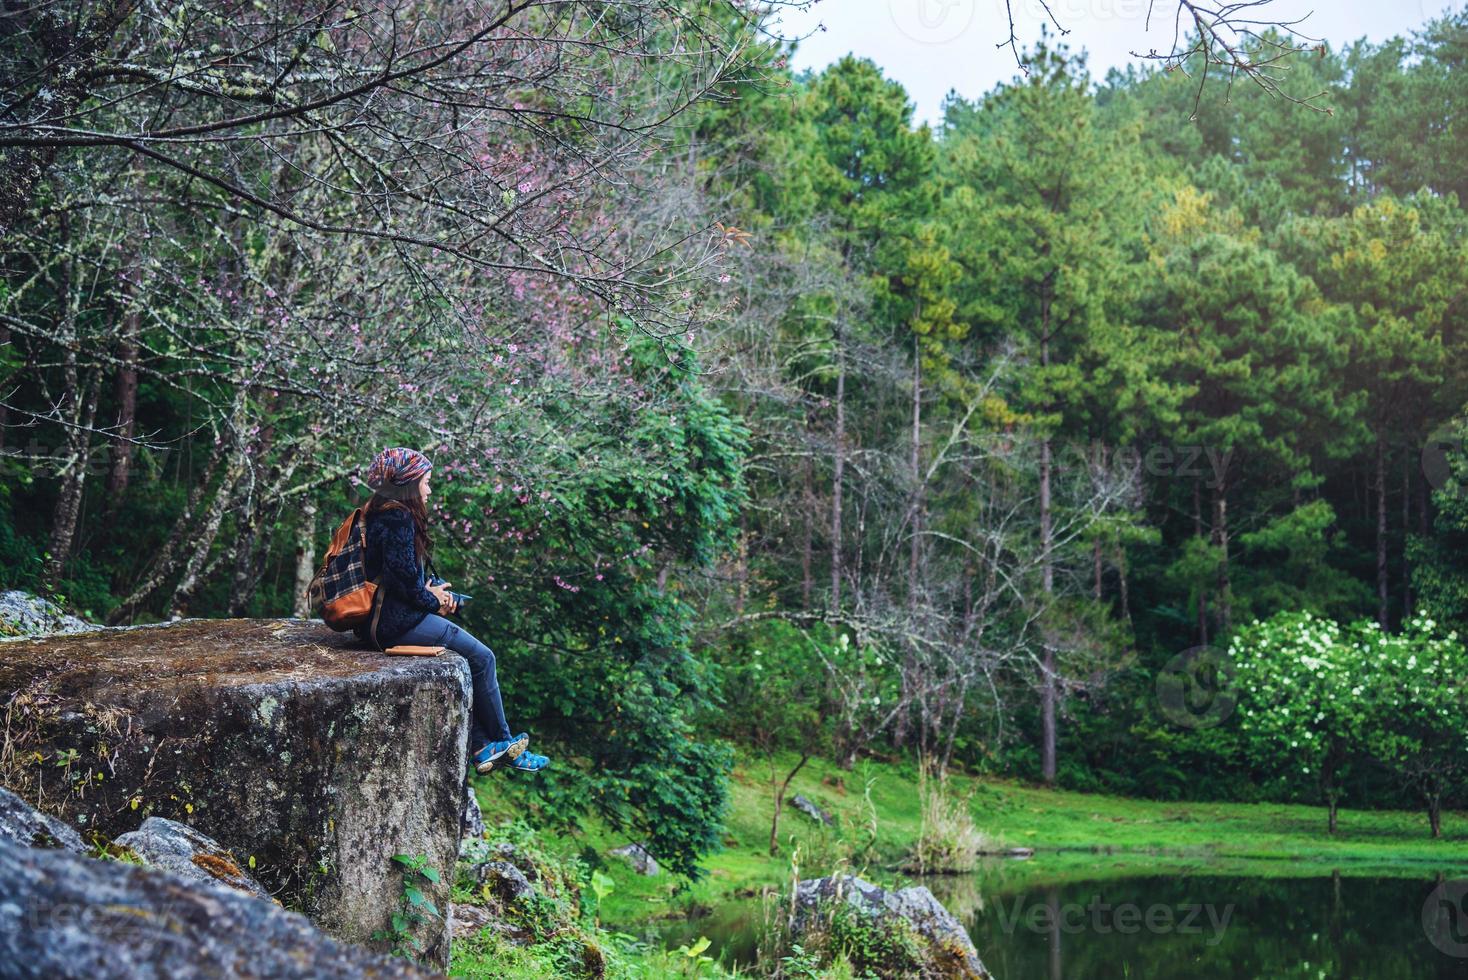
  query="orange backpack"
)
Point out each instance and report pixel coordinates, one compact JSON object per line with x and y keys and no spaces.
{"x":340,"y":592}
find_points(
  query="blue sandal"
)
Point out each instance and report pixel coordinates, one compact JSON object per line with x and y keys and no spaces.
{"x":499,"y":753}
{"x":528,"y":762}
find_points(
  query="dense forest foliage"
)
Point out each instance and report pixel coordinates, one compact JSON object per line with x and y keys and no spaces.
{"x":758,"y":411}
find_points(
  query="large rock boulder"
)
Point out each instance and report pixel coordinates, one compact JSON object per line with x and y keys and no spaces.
{"x":311,"y":761}
{"x":943,"y":949}
{"x":23,"y":824}
{"x":181,"y":849}
{"x":64,"y":916}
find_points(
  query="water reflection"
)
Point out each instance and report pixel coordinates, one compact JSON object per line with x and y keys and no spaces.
{"x":1124,"y":919}
{"x":1163,"y":927}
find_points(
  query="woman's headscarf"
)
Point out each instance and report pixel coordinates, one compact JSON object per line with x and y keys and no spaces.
{"x":395,"y":473}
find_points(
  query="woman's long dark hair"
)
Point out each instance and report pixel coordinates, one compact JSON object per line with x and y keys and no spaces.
{"x":417,"y":509}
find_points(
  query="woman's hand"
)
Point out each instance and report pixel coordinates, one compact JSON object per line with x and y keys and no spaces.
{"x":446,"y":602}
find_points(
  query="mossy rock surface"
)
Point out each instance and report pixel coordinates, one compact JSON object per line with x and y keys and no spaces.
{"x":311,"y":760}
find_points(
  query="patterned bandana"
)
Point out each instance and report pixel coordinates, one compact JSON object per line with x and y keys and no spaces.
{"x":395,"y":473}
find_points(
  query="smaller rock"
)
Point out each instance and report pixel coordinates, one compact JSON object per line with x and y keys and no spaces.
{"x":22,"y":824}
{"x":950,"y":950}
{"x":24,"y":614}
{"x":181,"y":849}
{"x":506,"y":882}
{"x":642,"y":862}
{"x":1020,"y":853}
{"x":471,"y":821}
{"x":476,"y":850}
{"x":469,"y":919}
{"x":811,"y":809}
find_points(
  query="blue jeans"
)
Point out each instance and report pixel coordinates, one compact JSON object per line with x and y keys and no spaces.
{"x":487,"y":718}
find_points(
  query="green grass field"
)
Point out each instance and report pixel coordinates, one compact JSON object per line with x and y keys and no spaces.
{"x":1076,"y":836}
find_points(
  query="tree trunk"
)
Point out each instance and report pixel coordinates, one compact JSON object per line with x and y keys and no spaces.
{"x":76,"y":412}
{"x":839,"y":475}
{"x":243,"y":576}
{"x":780,"y":802}
{"x":1334,"y":805}
{"x":741,"y":568}
{"x":1435,"y":814}
{"x":1097,"y":566}
{"x":81,"y":407}
{"x":208,"y":531}
{"x":305,"y":560}
{"x":1048,"y":693}
{"x":916,"y":475}
{"x":4,"y":412}
{"x":1381,"y":583}
{"x":125,"y":393}
{"x":1202,"y":591}
{"x":1123,"y":590}
{"x":1424,"y":502}
{"x":808,"y":536}
{"x":910,"y":680}
{"x":1406,"y":530}
{"x":1220,"y":539}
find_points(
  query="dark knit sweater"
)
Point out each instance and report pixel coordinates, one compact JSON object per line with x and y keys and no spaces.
{"x":390,"y":554}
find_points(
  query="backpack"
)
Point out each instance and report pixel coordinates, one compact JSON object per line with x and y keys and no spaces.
{"x":340,"y":591}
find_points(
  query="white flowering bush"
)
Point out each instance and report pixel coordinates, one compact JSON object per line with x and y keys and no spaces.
{"x":1317,"y":699}
{"x":1302,"y":699}
{"x":1421,"y":735}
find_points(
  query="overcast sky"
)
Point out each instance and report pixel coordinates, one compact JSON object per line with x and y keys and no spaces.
{"x":931,"y":46}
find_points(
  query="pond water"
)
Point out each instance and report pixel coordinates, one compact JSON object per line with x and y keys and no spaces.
{"x":1180,"y":926}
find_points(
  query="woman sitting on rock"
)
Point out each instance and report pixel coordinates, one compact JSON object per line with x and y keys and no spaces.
{"x":412,"y":608}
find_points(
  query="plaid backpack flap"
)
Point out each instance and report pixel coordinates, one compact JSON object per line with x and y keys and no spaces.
{"x":340,"y":591}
